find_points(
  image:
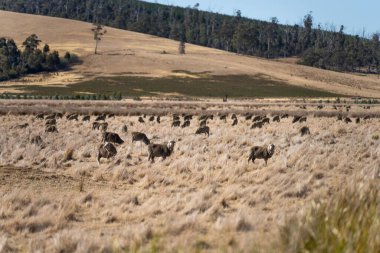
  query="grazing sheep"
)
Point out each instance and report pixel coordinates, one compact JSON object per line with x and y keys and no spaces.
{"x":176,"y":123}
{"x":258,"y":124}
{"x":73,"y":117}
{"x":347,"y":120}
{"x":235,"y":122}
{"x":357,"y":120}
{"x":223,"y":117}
{"x":264,"y":152}
{"x":233,"y":116}
{"x":103,"y":126}
{"x":68,"y":116}
{"x":124,"y":129}
{"x":160,"y":150}
{"x":95,"y":125}
{"x":101,"y":117}
{"x":296,"y":119}
{"x":40,"y":116}
{"x":106,"y":150}
{"x":137,"y":136}
{"x":265,"y":120}
{"x":111,"y":115}
{"x":302,"y":119}
{"x":339,"y":117}
{"x":36,"y":140}
{"x":176,"y":117}
{"x":284,"y":116}
{"x":51,"y":129}
{"x":58,"y":115}
{"x":51,"y":122}
{"x":257,"y":118}
{"x":50,"y":116}
{"x":203,"y":130}
{"x":158,"y":119}
{"x":25,"y":125}
{"x":86,"y":118}
{"x":304,"y":131}
{"x":186,"y":124}
{"x":203,"y":123}
{"x":188,"y":117}
{"x":276,"y":119}
{"x":141,"y":120}
{"x":112,"y":137}
{"x":151,"y":118}
{"x":248,"y":117}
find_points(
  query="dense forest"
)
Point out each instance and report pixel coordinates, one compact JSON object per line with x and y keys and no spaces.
{"x":317,"y":46}
{"x":14,"y":62}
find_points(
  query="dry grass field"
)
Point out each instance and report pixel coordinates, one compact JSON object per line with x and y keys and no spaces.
{"x":204,"y":197}
{"x":130,"y":54}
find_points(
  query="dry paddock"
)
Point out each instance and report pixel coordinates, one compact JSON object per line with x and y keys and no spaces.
{"x":204,"y":196}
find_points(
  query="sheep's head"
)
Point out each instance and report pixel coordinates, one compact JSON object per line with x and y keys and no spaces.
{"x":170,"y":145}
{"x":271,"y":148}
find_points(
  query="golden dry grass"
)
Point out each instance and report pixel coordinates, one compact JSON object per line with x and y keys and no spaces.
{"x":129,"y":53}
{"x":204,"y":197}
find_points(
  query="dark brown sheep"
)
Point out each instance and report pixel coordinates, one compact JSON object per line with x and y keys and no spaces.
{"x":112,"y":137}
{"x":235,"y":122}
{"x":86,"y":118}
{"x":357,"y":120}
{"x":203,"y":123}
{"x":302,"y":119}
{"x":160,"y":150}
{"x":276,"y":119}
{"x":158,"y":119}
{"x":40,"y":116}
{"x":296,"y":119}
{"x":151,"y":118}
{"x":58,"y":115}
{"x":203,"y":130}
{"x":265,"y":120}
{"x":124,"y":129}
{"x":25,"y":125}
{"x":50,"y":116}
{"x":51,"y":129}
{"x":347,"y":120}
{"x":176,"y":117}
{"x":188,"y":117}
{"x":284,"y":116}
{"x":95,"y":125}
{"x":261,"y":152}
{"x":176,"y":123}
{"x":50,"y":122}
{"x":223,"y":117}
{"x":137,"y":136}
{"x":141,"y":120}
{"x":36,"y":140}
{"x":304,"y":131}
{"x":257,"y":118}
{"x":73,"y":117}
{"x":248,"y":117}
{"x":339,"y":117}
{"x":233,"y":116}
{"x":186,"y":124}
{"x":258,"y":124}
{"x":101,"y":117}
{"x":106,"y":150}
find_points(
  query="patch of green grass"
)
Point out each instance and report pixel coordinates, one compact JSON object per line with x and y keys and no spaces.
{"x":205,"y":86}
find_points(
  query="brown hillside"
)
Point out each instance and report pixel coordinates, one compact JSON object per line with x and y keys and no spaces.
{"x":130,"y":53}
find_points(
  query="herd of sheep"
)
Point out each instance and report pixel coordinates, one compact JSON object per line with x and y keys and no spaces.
{"x":107,"y":149}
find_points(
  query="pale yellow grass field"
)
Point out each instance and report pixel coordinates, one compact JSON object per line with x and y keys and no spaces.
{"x":205,"y":196}
{"x":129,"y":53}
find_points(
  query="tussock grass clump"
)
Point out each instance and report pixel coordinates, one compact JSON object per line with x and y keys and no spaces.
{"x":347,"y":222}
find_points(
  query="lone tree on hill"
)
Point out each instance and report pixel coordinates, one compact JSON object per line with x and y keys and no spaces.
{"x":181,"y":48}
{"x":98,"y":31}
